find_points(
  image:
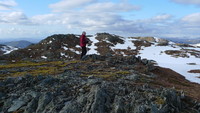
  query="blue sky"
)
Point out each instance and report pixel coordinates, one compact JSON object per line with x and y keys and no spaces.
{"x":41,"y":18}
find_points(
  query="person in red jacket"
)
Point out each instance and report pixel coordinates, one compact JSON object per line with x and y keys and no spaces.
{"x":83,"y":42}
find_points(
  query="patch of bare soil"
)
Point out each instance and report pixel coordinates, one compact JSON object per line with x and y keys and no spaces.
{"x":169,"y":78}
{"x":139,"y":44}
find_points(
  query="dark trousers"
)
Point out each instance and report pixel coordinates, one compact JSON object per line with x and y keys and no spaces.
{"x":84,"y":51}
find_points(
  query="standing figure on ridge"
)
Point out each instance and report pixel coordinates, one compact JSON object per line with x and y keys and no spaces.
{"x":83,"y":42}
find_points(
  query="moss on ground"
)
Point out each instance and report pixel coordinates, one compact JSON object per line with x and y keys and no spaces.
{"x":159,"y":101}
{"x":34,"y":68}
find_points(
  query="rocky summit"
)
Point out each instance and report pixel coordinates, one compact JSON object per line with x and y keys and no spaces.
{"x":95,"y":84}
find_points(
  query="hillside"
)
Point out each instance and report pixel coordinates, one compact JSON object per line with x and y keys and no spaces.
{"x":4,"y":49}
{"x":96,"y":84}
{"x":53,"y":47}
{"x":18,"y":44}
{"x":67,"y":46}
{"x":182,"y":58}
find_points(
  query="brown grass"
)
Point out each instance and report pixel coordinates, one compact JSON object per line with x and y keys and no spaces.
{"x":168,"y":78}
{"x":104,"y":48}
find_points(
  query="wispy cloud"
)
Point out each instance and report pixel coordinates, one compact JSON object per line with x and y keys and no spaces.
{"x":162,"y":17}
{"x":111,"y":7}
{"x":7,"y":4}
{"x":65,"y":5}
{"x":10,"y":15}
{"x":192,"y":18}
{"x":194,"y":2}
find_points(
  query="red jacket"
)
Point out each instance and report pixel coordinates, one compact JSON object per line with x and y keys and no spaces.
{"x":83,"y":40}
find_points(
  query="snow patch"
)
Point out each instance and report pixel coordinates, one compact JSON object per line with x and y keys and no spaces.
{"x":63,"y":55}
{"x":93,"y":47}
{"x":8,"y":49}
{"x":127,"y":44}
{"x":65,"y":48}
{"x":179,"y":65}
{"x":65,"y":44}
{"x":44,"y":57}
{"x":78,"y":46}
{"x":196,"y":45}
{"x":49,"y":42}
{"x":77,"y":52}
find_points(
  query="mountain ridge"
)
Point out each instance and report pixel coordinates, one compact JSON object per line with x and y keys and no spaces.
{"x":18,"y":44}
{"x":60,"y":39}
{"x":60,"y":46}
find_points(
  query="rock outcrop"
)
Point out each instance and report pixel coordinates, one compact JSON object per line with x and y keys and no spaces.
{"x":160,"y":41}
{"x":70,"y":93}
{"x":78,"y":91}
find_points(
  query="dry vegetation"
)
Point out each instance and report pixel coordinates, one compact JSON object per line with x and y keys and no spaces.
{"x":33,"y":68}
{"x":183,"y":53}
{"x":164,"y":77}
{"x":194,"y":71}
{"x":169,"y":78}
{"x":177,"y":53}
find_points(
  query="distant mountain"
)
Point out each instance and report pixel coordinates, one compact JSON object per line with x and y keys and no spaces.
{"x":4,"y":49}
{"x":19,"y":44}
{"x":185,"y":40}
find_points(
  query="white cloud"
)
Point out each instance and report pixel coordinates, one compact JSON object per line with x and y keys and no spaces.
{"x":66,"y":5}
{"x":49,"y":19}
{"x":9,"y":14}
{"x":7,"y":4}
{"x":87,"y":14}
{"x":192,"y":18}
{"x":161,"y":25}
{"x":111,"y":7}
{"x":91,"y":16}
{"x":162,"y":17}
{"x":190,"y":25}
{"x":195,"y":2}
{"x":14,"y":18}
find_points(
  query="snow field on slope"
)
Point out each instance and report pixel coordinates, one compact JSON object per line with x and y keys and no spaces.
{"x":93,"y":47}
{"x":8,"y":49}
{"x":180,"y":65}
{"x":127,"y":43}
